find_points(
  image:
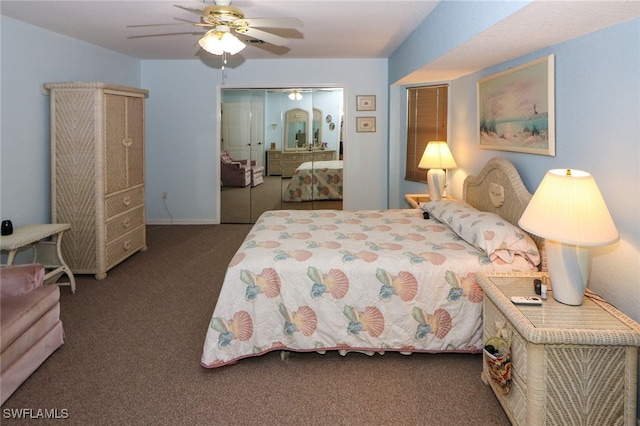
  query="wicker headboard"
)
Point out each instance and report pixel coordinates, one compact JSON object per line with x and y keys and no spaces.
{"x":498,"y":188}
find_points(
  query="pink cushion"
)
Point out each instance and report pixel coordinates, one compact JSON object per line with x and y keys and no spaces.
{"x":16,"y":280}
{"x":19,"y":313}
{"x":16,"y":373}
{"x":30,"y":337}
{"x":225,"y":157}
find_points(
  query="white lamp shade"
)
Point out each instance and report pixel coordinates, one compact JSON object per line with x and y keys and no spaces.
{"x":568,"y":207}
{"x":218,"y":42}
{"x":437,"y":156}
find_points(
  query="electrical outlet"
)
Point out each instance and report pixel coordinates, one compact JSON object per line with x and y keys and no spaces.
{"x":165,"y":195}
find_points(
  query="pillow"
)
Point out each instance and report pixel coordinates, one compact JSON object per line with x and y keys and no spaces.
{"x":17,"y":280}
{"x":225,"y":157}
{"x":485,"y":231}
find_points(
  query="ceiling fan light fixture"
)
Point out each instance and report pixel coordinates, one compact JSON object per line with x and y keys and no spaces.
{"x":232,"y":44}
{"x":218,"y":42}
{"x":295,"y":96}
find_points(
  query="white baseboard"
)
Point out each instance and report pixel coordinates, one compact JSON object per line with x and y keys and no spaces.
{"x":182,"y":222}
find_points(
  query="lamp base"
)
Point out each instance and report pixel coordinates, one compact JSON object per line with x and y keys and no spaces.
{"x":435,"y":180}
{"x":569,"y":267}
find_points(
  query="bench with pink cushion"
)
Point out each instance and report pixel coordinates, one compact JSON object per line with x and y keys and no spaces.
{"x":30,"y":329}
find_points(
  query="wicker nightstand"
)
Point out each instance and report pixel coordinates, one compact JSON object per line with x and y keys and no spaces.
{"x":414,"y":200}
{"x":570,"y":364}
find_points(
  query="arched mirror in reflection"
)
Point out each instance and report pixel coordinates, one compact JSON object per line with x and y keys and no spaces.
{"x":296,"y":121}
{"x":317,"y":127}
{"x":296,"y":140}
{"x":296,"y":136}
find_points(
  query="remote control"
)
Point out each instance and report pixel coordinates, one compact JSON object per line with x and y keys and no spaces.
{"x":526,"y":300}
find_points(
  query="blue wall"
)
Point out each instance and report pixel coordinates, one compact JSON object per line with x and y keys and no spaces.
{"x":182,"y":121}
{"x":30,"y":57}
{"x":597,"y":101}
{"x":597,"y":106}
{"x":183,"y":128}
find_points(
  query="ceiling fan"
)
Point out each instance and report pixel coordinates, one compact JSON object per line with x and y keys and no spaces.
{"x":225,"y":21}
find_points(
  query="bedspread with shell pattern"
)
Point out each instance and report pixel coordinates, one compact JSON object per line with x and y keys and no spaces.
{"x":315,"y":180}
{"x":368,"y":280}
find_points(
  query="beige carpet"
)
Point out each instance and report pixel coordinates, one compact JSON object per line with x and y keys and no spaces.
{"x":133,"y":345}
{"x":245,"y":205}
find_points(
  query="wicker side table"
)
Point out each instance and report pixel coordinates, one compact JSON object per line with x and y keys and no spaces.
{"x":569,"y":364}
{"x":414,"y":200}
{"x":45,"y":240}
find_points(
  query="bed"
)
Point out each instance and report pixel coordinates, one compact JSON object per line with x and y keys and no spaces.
{"x":315,"y":181}
{"x":372,"y":280}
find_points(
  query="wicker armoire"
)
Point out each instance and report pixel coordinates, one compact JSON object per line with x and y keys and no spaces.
{"x":98,"y":173}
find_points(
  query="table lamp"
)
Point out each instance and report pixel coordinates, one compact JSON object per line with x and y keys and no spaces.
{"x":568,"y":211}
{"x":436,"y":157}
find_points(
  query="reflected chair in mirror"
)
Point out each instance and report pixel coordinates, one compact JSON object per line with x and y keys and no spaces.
{"x":239,"y":173}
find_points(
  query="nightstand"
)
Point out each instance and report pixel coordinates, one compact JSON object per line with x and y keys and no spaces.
{"x":414,"y":200}
{"x":45,"y":240}
{"x":570,"y":364}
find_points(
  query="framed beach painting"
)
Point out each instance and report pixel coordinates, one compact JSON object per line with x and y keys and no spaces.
{"x":516,"y":109}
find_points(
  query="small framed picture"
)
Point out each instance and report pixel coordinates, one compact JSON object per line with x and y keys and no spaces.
{"x":366,"y":103}
{"x":365,"y":124}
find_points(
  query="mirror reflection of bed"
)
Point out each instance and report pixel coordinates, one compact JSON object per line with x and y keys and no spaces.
{"x":246,"y":204}
{"x":318,"y":181}
{"x":282,"y":135}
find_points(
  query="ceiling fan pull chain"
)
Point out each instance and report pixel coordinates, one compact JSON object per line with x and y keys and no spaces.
{"x":224,"y":62}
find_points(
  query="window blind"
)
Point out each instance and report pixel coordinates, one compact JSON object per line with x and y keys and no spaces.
{"x":427,"y":108}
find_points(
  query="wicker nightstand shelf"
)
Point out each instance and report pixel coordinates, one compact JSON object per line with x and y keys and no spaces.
{"x":570,"y":364}
{"x":414,"y":200}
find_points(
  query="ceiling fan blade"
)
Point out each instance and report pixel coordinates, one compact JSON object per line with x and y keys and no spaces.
{"x":160,"y":25}
{"x":189,"y":9}
{"x":182,"y":22}
{"x":263,"y":35}
{"x":270,"y":22}
{"x":163,"y":35}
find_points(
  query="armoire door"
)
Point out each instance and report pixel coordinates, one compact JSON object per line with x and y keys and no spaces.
{"x":124,"y":142}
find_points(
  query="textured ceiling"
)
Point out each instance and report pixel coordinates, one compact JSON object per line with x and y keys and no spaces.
{"x":332,"y":29}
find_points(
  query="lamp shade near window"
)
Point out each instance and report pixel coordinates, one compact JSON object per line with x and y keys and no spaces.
{"x":436,"y":157}
{"x":569,"y":211}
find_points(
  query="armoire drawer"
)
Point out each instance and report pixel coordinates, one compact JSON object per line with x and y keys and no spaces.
{"x":124,"y":201}
{"x":125,"y":246}
{"x":125,"y":223}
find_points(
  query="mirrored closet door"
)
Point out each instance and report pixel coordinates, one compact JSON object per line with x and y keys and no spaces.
{"x":290,"y":143}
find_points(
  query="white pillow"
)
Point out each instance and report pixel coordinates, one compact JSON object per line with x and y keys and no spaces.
{"x":485,"y":231}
